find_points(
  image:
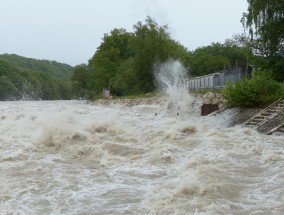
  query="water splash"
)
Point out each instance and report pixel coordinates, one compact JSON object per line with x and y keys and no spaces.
{"x":123,"y":160}
{"x":171,"y":78}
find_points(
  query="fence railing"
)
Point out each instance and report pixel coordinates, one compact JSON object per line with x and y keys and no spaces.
{"x":218,"y":79}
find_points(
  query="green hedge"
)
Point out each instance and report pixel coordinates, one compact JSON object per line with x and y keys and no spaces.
{"x":256,"y":91}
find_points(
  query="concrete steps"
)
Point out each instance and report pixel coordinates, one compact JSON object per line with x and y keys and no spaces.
{"x":265,"y":115}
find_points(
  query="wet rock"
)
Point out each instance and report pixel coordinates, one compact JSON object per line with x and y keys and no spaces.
{"x":215,"y":99}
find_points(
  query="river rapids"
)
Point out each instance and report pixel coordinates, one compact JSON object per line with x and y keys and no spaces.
{"x":157,"y":157}
{"x":75,"y":157}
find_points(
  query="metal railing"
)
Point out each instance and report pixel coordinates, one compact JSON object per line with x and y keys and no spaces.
{"x":218,"y":79}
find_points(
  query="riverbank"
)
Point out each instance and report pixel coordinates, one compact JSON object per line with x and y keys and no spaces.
{"x":240,"y":115}
{"x":156,"y":100}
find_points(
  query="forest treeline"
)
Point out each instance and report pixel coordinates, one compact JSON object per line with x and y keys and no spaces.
{"x":125,"y":62}
{"x":29,"y":79}
{"x":58,"y":70}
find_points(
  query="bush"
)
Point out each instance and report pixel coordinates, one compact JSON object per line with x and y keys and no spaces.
{"x":259,"y":90}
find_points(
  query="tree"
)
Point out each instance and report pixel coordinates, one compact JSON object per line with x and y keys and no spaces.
{"x":57,"y":70}
{"x":80,"y":81}
{"x":215,"y":57}
{"x":27,"y":84}
{"x":264,"y":20}
{"x":13,"y":75}
{"x":125,"y":82}
{"x":110,"y":54}
{"x":7,"y":88}
{"x":243,"y":44}
{"x":124,"y":62}
{"x":151,"y":45}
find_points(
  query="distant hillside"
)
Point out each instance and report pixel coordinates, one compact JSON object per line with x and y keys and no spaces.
{"x":58,"y":70}
{"x":31,"y":85}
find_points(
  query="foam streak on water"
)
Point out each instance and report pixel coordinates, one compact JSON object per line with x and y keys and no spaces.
{"x":68,"y":157}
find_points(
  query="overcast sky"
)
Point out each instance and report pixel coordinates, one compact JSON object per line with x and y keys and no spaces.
{"x":69,"y":31}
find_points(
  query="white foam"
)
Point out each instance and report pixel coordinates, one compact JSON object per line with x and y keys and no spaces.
{"x":67,"y":157}
{"x":171,"y":78}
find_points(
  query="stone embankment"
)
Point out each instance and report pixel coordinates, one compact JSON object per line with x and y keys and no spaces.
{"x":215,"y":98}
{"x":239,"y":115}
{"x":208,"y":98}
{"x":132,"y":102}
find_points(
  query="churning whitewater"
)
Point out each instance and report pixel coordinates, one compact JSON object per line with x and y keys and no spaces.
{"x":75,"y":157}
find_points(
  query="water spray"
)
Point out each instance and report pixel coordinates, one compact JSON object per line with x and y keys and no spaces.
{"x":171,"y":78}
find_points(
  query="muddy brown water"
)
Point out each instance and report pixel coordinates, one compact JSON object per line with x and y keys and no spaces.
{"x":70,"y":157}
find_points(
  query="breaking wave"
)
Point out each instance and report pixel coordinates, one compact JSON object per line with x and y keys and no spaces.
{"x":69,"y":157}
{"x":136,"y":157}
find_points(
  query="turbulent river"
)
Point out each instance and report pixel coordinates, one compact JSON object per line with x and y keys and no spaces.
{"x":74,"y":157}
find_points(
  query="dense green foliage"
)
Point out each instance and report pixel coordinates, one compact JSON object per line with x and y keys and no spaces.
{"x":264,"y":20}
{"x":110,"y":55}
{"x":259,"y":90}
{"x":124,"y":62}
{"x":265,"y":51}
{"x":7,"y":88}
{"x":57,"y":70}
{"x":216,"y":57}
{"x":26,"y":84}
{"x":80,"y":81}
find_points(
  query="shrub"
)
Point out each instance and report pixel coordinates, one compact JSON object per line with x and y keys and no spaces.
{"x":259,"y":90}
